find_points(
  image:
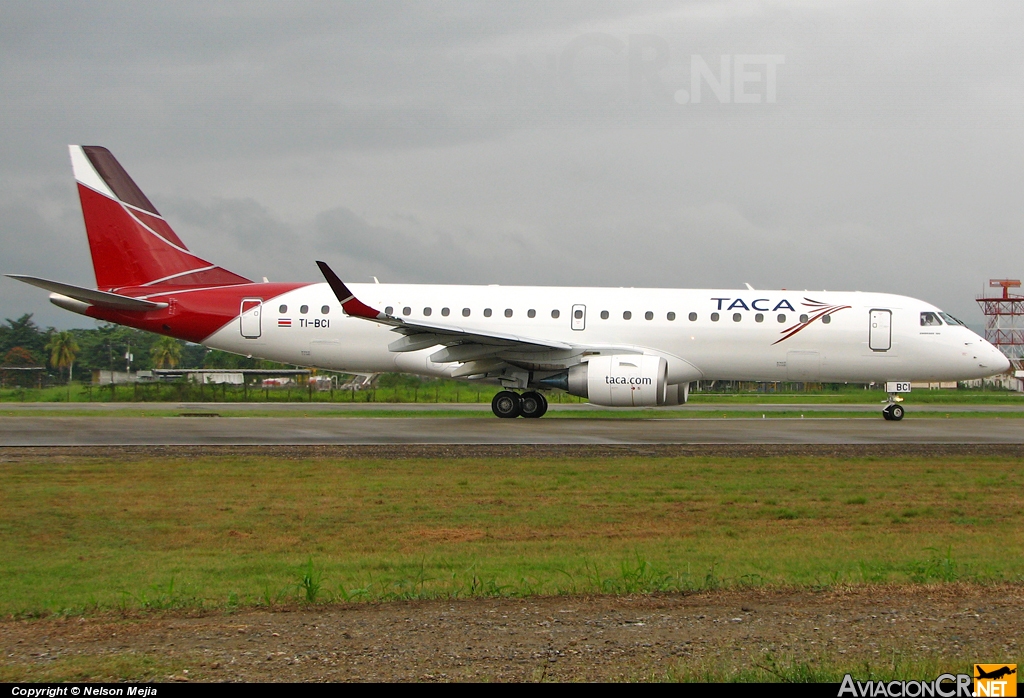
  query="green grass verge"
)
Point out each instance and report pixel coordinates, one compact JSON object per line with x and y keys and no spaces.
{"x":403,"y":389}
{"x":240,"y":531}
{"x":393,"y":388}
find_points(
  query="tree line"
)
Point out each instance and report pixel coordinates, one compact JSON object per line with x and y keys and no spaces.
{"x":65,"y":354}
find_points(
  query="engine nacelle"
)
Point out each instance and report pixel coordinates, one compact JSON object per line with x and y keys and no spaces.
{"x":677,"y":393}
{"x":620,"y":380}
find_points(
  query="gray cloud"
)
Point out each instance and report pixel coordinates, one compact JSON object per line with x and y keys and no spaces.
{"x":528,"y":143}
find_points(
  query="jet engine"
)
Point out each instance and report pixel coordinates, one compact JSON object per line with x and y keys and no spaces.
{"x":620,"y":380}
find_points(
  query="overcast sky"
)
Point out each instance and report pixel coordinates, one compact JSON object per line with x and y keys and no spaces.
{"x":840,"y":145}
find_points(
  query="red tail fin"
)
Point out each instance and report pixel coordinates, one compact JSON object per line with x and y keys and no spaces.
{"x":131,"y":243}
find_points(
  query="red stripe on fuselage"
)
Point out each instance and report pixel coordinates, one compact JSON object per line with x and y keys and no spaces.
{"x":192,"y":315}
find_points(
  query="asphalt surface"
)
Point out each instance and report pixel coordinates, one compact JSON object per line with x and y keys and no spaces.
{"x":248,"y":431}
{"x":13,"y":408}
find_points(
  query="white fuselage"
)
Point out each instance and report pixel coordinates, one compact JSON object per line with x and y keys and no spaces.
{"x":757,"y":336}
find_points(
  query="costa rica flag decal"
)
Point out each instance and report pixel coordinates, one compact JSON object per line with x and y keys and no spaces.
{"x":284,"y":322}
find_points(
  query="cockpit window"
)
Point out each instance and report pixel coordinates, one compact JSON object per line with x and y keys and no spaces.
{"x":930,"y":319}
{"x":950,"y":320}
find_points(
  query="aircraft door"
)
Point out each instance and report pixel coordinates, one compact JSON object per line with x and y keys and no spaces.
{"x":579,"y":317}
{"x":249,"y":317}
{"x":880,"y":331}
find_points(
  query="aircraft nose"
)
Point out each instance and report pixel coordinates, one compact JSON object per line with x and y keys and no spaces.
{"x":999,"y":361}
{"x":991,"y":359}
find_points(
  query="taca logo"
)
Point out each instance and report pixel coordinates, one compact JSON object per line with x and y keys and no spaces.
{"x":623,"y":380}
{"x":754,"y":304}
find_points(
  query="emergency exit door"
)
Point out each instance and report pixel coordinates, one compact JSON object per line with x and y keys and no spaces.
{"x":249,"y":316}
{"x":880,"y":331}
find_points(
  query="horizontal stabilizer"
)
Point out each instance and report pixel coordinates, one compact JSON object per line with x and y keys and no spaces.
{"x":90,"y":295}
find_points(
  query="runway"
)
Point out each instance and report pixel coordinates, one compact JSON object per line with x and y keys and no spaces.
{"x":254,"y":431}
{"x":285,"y":408}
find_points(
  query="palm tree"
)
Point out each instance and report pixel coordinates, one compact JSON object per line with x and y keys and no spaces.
{"x":63,"y":348}
{"x":166,"y":352}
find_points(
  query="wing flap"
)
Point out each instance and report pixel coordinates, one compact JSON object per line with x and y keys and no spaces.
{"x":415,"y":342}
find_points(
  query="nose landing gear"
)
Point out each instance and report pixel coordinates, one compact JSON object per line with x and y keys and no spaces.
{"x":893,"y":412}
{"x":509,"y":405}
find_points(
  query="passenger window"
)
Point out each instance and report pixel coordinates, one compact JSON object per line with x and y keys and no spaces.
{"x":827,"y":319}
{"x":283,"y":309}
{"x":803,"y":318}
{"x":465,"y":312}
{"x":930,"y":320}
{"x":648,"y":315}
{"x":627,"y":315}
{"x":445,"y":312}
{"x":604,"y":314}
{"x":578,"y":314}
{"x":671,"y":317}
{"x":303,"y":309}
{"x":781,"y":318}
{"x":406,"y":310}
{"x":693,"y":317}
{"x":759,"y":317}
{"x":736,"y":317}
{"x":487,"y":312}
{"x":531,"y":313}
{"x":427,"y":312}
{"x":325,"y":309}
{"x":389,"y":310}
{"x":508,"y":312}
{"x":555,"y":314}
{"x":714,"y":317}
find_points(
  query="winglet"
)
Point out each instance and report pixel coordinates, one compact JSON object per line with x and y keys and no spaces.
{"x":349,"y":303}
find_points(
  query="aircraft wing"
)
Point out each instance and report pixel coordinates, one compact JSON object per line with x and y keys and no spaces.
{"x":480,"y":352}
{"x":90,"y":295}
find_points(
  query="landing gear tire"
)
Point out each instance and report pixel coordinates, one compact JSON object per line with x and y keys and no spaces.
{"x":893,"y":413}
{"x":507,"y":405}
{"x":534,"y":405}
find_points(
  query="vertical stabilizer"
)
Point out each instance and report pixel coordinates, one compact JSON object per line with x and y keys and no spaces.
{"x":130,"y":242}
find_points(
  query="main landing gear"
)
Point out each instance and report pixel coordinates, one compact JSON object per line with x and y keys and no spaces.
{"x":509,"y":405}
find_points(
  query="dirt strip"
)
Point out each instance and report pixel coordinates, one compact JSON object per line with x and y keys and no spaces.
{"x":553,"y":638}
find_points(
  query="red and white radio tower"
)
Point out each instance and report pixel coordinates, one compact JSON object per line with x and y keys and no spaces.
{"x":1004,"y":320}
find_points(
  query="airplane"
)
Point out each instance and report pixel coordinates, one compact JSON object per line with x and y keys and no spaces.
{"x":616,"y":347}
{"x":995,"y":673}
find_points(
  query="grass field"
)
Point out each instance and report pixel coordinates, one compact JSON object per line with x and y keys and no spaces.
{"x":238,"y":531}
